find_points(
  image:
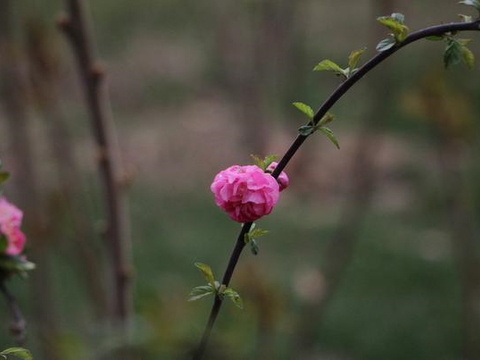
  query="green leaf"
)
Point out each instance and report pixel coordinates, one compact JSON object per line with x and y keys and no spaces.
{"x":326,"y":119}
{"x":453,"y":53}
{"x":386,"y":44}
{"x":354,"y":58}
{"x":456,"y":51}
{"x":207,"y":273}
{"x":234,"y":296}
{"x":200,"y":292}
{"x":398,"y":17}
{"x":435,"y":38}
{"x":268,"y":160}
{"x":329,"y":134}
{"x":263,"y":163}
{"x":254,"y":247}
{"x":468,"y":57}
{"x":3,"y":244}
{"x":18,"y":352}
{"x":304,"y":108}
{"x":4,"y":176}
{"x":256,"y":233}
{"x":257,"y":161}
{"x":15,"y":263}
{"x":466,"y":18}
{"x":395,"y":23}
{"x":328,"y":65}
{"x":306,"y":130}
{"x":474,"y":3}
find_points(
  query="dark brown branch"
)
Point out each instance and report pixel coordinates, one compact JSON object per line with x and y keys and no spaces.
{"x":76,"y":26}
{"x":19,"y":326}
{"x":327,"y":105}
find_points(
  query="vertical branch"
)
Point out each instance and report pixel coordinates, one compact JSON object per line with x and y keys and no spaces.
{"x":19,"y":326}
{"x":45,"y":80}
{"x":76,"y":26}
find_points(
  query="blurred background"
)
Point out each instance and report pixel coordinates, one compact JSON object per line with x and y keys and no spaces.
{"x":373,"y":251}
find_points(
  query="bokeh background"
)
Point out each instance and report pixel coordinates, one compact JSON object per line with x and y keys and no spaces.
{"x":372,"y":251}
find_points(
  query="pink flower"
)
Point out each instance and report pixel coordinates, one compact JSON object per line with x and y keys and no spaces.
{"x":245,"y":193}
{"x":282,"y":179}
{"x":10,"y":222}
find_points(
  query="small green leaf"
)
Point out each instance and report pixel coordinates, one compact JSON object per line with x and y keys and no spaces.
{"x":234,"y":296}
{"x":386,"y":44}
{"x":15,"y":263}
{"x":207,"y":273}
{"x":256,"y":233}
{"x":268,"y":160}
{"x":453,"y":53}
{"x":304,"y":108}
{"x":254,"y":247}
{"x":395,"y":23}
{"x":327,"y":118}
{"x":306,"y":130}
{"x":474,"y":3}
{"x":4,"y":176}
{"x":435,"y":38}
{"x":263,"y":163}
{"x":3,"y":243}
{"x":257,"y":160}
{"x":400,"y":18}
{"x":329,"y":134}
{"x":18,"y":352}
{"x":328,"y":65}
{"x":468,"y":57}
{"x":354,"y":58}
{"x":466,"y":18}
{"x":200,"y":292}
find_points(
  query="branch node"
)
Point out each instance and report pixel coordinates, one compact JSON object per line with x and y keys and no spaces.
{"x":97,"y":72}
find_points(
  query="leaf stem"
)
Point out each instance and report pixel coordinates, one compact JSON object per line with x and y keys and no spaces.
{"x":321,"y":112}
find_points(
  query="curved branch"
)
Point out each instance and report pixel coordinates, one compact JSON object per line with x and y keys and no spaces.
{"x":18,"y":327}
{"x":327,"y":105}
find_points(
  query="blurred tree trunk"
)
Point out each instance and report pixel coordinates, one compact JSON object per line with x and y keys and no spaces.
{"x":363,"y":173}
{"x":465,"y":241}
{"x":252,"y":61}
{"x":45,"y":78}
{"x":452,"y":129}
{"x":26,"y":180}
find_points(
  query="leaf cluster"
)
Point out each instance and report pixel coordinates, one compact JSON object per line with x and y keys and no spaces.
{"x":399,"y":31}
{"x":329,"y":65}
{"x":250,"y":237}
{"x":456,"y":51}
{"x":213,"y":288}
{"x":311,"y":127}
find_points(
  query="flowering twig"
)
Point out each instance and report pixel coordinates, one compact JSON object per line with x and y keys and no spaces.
{"x":438,"y":30}
{"x":18,"y":327}
{"x":76,"y":26}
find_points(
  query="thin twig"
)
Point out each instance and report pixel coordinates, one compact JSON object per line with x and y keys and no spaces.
{"x":76,"y":26}
{"x":19,"y":326}
{"x":327,"y":105}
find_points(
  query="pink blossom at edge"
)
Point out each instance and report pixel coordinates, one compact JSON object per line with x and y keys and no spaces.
{"x":10,"y":222}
